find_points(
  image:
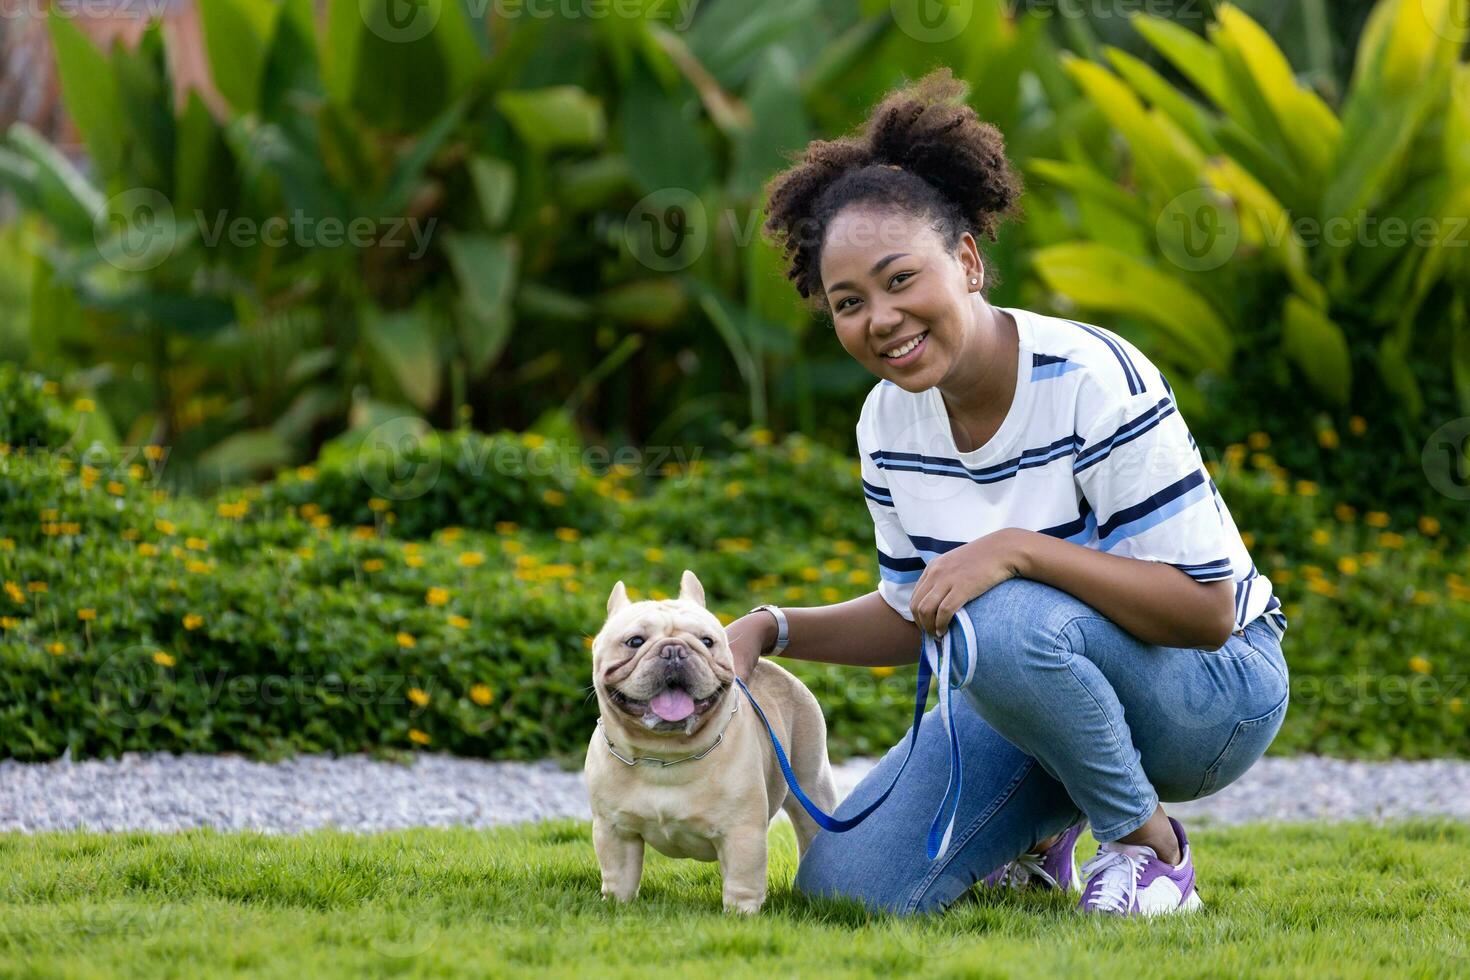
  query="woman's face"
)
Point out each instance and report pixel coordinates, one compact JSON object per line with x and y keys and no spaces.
{"x":889,"y":281}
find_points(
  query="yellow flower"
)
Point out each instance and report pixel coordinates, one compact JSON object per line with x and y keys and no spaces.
{"x":810,"y":574}
{"x":378,"y":504}
{"x":471,"y":559}
{"x":196,"y":544}
{"x":322,"y":521}
{"x":86,"y":614}
{"x":653,"y":554}
{"x":364,"y":533}
{"x":1425,"y":598}
{"x":834,"y":565}
{"x":422,"y":738}
{"x":8,"y":544}
{"x":506,"y":527}
{"x":372,"y":565}
{"x":533,"y":440}
{"x":1322,"y":587}
{"x":1357,"y":425}
{"x":115,"y":488}
{"x":236,"y":510}
{"x":512,"y":547}
{"x":164,"y":527}
{"x":414,"y":561}
{"x":554,"y":497}
{"x":734,"y":489}
{"x":1320,"y":536}
{"x":9,"y":622}
{"x":36,"y":587}
{"x":657,"y":594}
{"x":193,"y":621}
{"x":1248,"y":539}
{"x":1419,"y":665}
{"x":153,"y":453}
{"x":1327,"y":438}
{"x":163,"y":659}
{"x":830,"y":594}
{"x":761,"y":437}
{"x":50,"y":387}
{"x":56,"y":649}
{"x":1375,"y":518}
{"x":844,"y":547}
{"x":1456,"y":705}
{"x":304,"y":552}
{"x":459,"y":622}
{"x":881,"y":671}
{"x":406,"y":640}
{"x":859,"y":576}
{"x":1344,"y":512}
{"x":418,"y":696}
{"x":795,"y":592}
{"x":1306,"y":488}
{"x":450,"y":534}
{"x":1428,"y":526}
{"x":1263,"y":461}
{"x":1347,"y":565}
{"x":306,"y":473}
{"x":567,"y":534}
{"x":16,"y":595}
{"x":436,"y":596}
{"x":481,"y":694}
{"x":85,"y":405}
{"x":1258,"y":440}
{"x":1389,"y":539}
{"x":725,"y":618}
{"x":310,"y":509}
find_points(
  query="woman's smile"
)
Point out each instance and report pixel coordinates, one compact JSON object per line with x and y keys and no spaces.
{"x":906,"y":352}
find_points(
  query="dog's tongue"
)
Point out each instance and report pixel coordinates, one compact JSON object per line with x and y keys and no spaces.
{"x":672,"y":705}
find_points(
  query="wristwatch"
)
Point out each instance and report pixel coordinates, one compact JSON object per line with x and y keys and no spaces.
{"x":781,"y":629}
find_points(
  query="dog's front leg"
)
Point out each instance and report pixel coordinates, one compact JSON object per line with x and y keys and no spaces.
{"x":621,"y":860}
{"x":743,"y":867}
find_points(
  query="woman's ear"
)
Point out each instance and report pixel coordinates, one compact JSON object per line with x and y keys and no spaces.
{"x":967,"y":253}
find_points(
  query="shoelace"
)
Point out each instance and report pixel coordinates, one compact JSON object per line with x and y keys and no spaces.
{"x":1116,"y":880}
{"x":1019,"y":872}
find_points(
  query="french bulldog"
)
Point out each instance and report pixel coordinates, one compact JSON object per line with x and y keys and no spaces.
{"x":680,"y":760}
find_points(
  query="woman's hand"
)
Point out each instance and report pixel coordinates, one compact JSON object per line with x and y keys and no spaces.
{"x":750,"y":636}
{"x":956,"y":577}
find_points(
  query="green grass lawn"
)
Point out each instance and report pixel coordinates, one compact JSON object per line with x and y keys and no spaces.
{"x":1306,"y":900}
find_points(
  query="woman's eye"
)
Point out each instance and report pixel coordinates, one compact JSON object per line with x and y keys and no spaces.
{"x":634,"y":641}
{"x":842,"y":303}
{"x":899,"y":276}
{"x":707,"y":641}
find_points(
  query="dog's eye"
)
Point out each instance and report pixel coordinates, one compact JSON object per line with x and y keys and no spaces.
{"x":707,"y":641}
{"x":634,"y":641}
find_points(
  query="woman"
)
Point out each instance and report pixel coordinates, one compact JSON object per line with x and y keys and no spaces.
{"x":1032,"y":481}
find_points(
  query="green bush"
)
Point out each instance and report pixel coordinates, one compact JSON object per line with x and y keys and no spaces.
{"x":134,"y":620}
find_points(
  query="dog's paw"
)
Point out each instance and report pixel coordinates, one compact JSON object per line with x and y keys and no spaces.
{"x":744,"y":906}
{"x":614,"y":895}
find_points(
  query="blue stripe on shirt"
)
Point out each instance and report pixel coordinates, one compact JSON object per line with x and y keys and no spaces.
{"x":877,"y":494}
{"x":995,"y":473}
{"x":1156,"y":509}
{"x":1125,"y":433}
{"x":1135,"y":381}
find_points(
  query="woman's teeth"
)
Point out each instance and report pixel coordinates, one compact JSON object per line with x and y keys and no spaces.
{"x":900,"y":352}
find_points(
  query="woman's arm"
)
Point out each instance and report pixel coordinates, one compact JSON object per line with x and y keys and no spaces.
{"x":1154,"y":601}
{"x":862,"y":632}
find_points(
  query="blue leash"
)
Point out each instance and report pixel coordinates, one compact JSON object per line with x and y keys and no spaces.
{"x":942,"y":828}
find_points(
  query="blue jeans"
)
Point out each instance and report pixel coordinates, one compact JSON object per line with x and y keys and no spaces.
{"x":1067,"y":715}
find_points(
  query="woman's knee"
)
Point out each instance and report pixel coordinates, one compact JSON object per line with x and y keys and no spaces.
{"x":829,"y":869}
{"x":1021,"y":629}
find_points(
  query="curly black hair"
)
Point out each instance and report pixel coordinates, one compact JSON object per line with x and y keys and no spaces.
{"x":921,"y":151}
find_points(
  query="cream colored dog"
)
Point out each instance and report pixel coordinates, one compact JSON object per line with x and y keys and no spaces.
{"x":680,"y":760}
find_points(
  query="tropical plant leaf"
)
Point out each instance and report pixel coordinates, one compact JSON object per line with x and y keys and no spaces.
{"x":1318,"y":347}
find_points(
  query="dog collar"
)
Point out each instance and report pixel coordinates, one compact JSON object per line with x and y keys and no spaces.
{"x":654,"y":760}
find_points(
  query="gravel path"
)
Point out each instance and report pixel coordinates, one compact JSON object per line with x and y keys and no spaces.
{"x":166,"y":792}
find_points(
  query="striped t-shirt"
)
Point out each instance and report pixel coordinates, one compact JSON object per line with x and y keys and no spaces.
{"x":1093,"y":450}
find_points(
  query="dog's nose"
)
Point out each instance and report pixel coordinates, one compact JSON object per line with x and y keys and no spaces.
{"x":674,"y":651}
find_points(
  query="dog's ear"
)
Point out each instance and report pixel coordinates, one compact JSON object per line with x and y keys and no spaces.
{"x":689,"y":587}
{"x":618,"y":600}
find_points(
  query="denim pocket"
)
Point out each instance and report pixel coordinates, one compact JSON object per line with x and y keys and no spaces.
{"x":1248,"y":742}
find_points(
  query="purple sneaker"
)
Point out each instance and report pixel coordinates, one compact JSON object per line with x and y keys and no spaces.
{"x":1056,"y":868}
{"x":1130,"y":879}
